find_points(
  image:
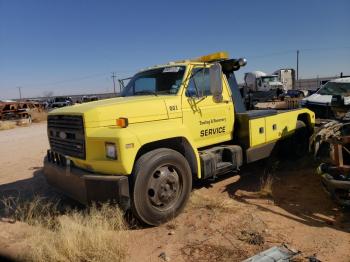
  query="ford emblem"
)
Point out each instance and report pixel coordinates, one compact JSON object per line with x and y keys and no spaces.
{"x":62,"y":135}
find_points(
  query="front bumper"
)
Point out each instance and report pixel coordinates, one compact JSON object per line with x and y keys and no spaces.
{"x":84,"y":186}
{"x":338,"y":189}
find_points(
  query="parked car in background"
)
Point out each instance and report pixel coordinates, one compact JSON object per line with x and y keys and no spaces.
{"x":86,"y":99}
{"x":332,"y":100}
{"x":61,"y":102}
{"x":295,"y":93}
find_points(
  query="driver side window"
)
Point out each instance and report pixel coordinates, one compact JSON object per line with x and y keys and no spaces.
{"x":259,"y":82}
{"x":199,"y":84}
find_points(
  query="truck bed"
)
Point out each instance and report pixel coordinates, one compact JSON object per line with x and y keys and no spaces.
{"x":258,"y":127}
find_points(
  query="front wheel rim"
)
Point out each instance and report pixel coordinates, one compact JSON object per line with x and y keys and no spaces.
{"x":164,"y":187}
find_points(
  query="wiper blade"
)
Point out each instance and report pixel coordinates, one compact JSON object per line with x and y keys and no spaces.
{"x":145,"y":92}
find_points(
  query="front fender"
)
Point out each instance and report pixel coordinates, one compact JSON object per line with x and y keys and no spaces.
{"x":149,"y":132}
{"x":128,"y":142}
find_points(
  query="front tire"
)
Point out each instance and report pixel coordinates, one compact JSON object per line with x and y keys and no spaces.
{"x":162,"y":183}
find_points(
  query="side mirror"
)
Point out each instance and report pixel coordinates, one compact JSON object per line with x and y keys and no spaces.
{"x":215,"y":74}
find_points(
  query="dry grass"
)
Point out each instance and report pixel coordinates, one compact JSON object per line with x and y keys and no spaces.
{"x":5,"y":125}
{"x":266,"y":186}
{"x":252,"y":237}
{"x":198,"y":200}
{"x":95,"y":234}
{"x":252,"y":229}
{"x":211,"y":252}
{"x":38,"y":116}
{"x":37,"y":211}
{"x":172,"y":224}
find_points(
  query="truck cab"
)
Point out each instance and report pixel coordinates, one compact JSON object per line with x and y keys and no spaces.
{"x":260,"y":81}
{"x":172,"y":124}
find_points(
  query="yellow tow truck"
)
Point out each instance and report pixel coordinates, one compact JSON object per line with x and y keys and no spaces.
{"x":172,"y":124}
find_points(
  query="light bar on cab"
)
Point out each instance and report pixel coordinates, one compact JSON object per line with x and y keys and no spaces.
{"x":212,"y":57}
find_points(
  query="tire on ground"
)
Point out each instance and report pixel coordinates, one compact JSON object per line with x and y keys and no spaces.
{"x":300,"y":140}
{"x":161,"y":186}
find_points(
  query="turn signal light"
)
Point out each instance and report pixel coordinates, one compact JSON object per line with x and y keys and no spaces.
{"x":122,"y":122}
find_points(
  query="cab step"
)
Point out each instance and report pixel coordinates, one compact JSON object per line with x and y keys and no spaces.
{"x":220,"y":160}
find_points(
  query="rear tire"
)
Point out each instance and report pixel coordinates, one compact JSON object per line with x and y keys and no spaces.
{"x":295,"y":146}
{"x":300,"y":140}
{"x":162,"y":183}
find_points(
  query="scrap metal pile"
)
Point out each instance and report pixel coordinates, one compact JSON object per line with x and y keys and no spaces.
{"x":331,"y":144}
{"x":19,"y":110}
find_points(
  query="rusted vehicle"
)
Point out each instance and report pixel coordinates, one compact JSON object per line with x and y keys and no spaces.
{"x":332,"y":146}
{"x":19,"y":110}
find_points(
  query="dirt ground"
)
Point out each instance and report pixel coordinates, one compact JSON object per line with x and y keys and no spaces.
{"x":226,"y":220}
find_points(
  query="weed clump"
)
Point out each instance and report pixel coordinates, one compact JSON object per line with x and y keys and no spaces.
{"x":97,"y":233}
{"x":6,"y":125}
{"x":266,"y":187}
{"x":197,"y":200}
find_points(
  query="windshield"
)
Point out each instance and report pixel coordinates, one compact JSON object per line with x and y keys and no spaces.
{"x":165,"y":81}
{"x":267,"y":79}
{"x":333,"y":88}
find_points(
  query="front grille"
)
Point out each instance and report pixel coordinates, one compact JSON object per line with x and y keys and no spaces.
{"x":66,"y":135}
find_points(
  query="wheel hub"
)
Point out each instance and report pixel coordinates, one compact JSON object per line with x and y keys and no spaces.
{"x":163,"y":188}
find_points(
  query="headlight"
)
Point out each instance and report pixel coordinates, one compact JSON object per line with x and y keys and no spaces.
{"x":111,"y":151}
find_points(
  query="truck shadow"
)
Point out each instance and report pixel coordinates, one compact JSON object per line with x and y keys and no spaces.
{"x":29,"y":190}
{"x":295,"y":188}
{"x":26,"y":190}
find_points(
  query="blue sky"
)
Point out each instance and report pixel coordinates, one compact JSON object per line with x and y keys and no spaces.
{"x":71,"y":47}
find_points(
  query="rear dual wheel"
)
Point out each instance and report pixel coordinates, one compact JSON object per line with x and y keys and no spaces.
{"x":162,"y":183}
{"x":300,"y":141}
{"x":296,"y":145}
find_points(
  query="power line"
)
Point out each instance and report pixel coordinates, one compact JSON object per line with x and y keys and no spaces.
{"x":272,"y":54}
{"x":300,"y":50}
{"x":76,"y":79}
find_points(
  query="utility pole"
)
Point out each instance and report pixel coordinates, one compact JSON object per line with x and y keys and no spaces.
{"x":20,"y":93}
{"x":297,"y":64}
{"x":113,"y":77}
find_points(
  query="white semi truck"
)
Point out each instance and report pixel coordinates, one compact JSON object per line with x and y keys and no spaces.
{"x":287,"y":77}
{"x":260,"y":81}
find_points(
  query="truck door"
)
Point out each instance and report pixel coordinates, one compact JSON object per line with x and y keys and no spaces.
{"x":207,"y":121}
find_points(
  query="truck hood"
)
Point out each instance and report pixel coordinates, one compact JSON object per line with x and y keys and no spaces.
{"x":275,"y":84}
{"x":323,"y":99}
{"x":105,"y":112}
{"x":318,"y":99}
